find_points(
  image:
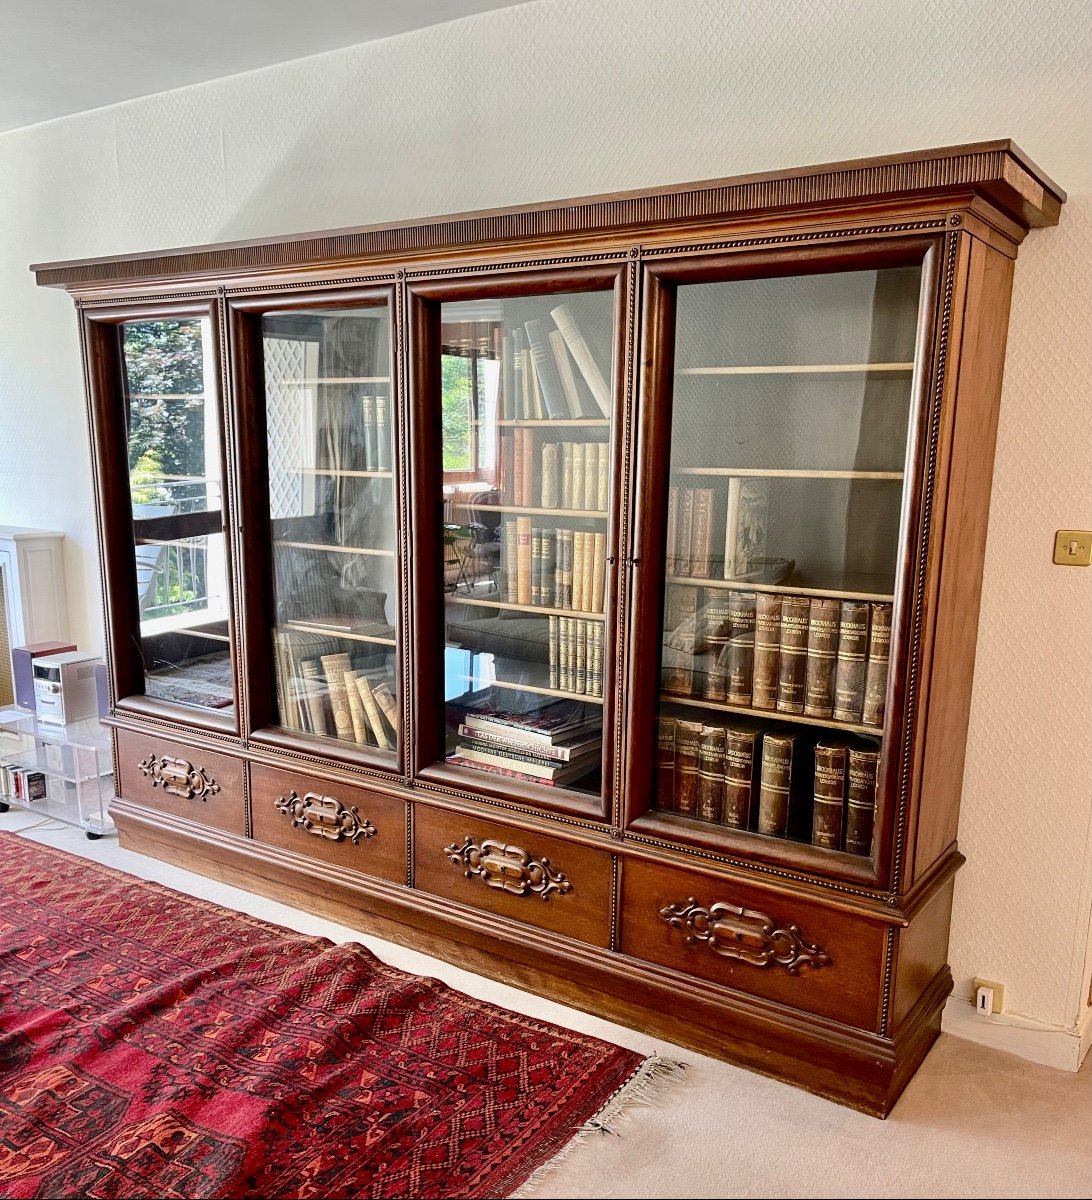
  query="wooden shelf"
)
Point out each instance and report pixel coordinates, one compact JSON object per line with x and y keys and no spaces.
{"x":309,"y":627}
{"x":767,"y":473}
{"x":545,"y":691}
{"x":546,"y":512}
{"x":536,"y":610}
{"x":338,"y":379}
{"x":343,"y":473}
{"x":840,"y":592}
{"x":886,"y":368}
{"x":560,"y":423}
{"x":335,"y":549}
{"x":768,"y":714}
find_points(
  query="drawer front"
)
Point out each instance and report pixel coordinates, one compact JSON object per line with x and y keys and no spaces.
{"x":185,"y":781}
{"x":338,"y":823}
{"x":502,"y":869}
{"x":781,"y":947}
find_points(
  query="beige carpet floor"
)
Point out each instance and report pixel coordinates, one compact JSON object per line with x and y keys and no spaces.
{"x":973,"y":1122}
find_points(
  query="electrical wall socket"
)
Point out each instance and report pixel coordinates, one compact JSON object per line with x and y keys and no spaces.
{"x":989,"y":997}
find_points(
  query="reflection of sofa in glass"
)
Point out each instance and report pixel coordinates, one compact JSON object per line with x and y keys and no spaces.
{"x":519,"y":644}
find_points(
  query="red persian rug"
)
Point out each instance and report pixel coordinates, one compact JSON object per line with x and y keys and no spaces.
{"x":155,"y":1045}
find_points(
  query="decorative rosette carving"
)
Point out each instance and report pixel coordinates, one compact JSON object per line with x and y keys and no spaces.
{"x":508,"y":868}
{"x":745,"y":935}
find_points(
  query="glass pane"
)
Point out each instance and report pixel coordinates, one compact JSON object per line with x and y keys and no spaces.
{"x":174,"y":484}
{"x":333,"y":517}
{"x":526,"y":438}
{"x":790,"y":415}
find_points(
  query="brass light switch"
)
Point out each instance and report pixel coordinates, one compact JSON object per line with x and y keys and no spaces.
{"x":1073,"y":547}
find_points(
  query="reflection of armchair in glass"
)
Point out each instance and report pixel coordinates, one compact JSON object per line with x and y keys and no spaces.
{"x":486,"y":536}
{"x":457,"y":537}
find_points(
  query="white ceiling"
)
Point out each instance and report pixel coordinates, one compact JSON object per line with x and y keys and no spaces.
{"x":65,"y":56}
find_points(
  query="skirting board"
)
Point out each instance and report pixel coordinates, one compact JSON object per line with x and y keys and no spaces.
{"x":1052,"y":1047}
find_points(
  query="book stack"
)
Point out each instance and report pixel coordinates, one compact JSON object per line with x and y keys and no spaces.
{"x":23,"y":784}
{"x":691,"y":517}
{"x":377,"y":433}
{"x":539,"y":382}
{"x":555,"y":745}
{"x":576,"y":655}
{"x":554,"y":568}
{"x":708,"y":770}
{"x":795,"y":655}
{"x":844,"y":796}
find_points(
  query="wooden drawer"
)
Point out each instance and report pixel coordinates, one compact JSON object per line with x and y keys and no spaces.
{"x":503,"y":869}
{"x":185,"y":781}
{"x":337,"y":823}
{"x":781,"y":947}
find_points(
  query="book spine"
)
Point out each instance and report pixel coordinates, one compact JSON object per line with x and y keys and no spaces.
{"x":518,"y":438}
{"x":557,"y":754}
{"x":511,"y":562}
{"x":861,"y":799}
{"x":713,"y":635}
{"x":793,"y":654}
{"x":549,"y":475}
{"x":602,"y":486}
{"x":528,"y":490}
{"x":580,"y":684}
{"x":335,"y":666}
{"x":740,"y":651}
{"x":680,"y":607}
{"x":587,"y":568}
{"x":553,"y":394}
{"x":567,"y":572}
{"x":367,"y":410}
{"x":671,"y":541}
{"x":280,"y":678}
{"x":536,"y":566}
{"x":388,"y":705}
{"x":371,"y":710}
{"x":829,"y":797}
{"x":523,"y":560}
{"x":555,"y":665}
{"x":595,"y":688}
{"x":578,"y":570}
{"x":520,"y":409}
{"x":776,"y":784}
{"x":767,"y":650}
{"x":687,"y":751}
{"x":739,"y":775}
{"x":506,"y":410}
{"x":311,"y":672}
{"x":598,"y":572}
{"x":822,"y":654}
{"x":685,"y":531}
{"x":664,"y":795}
{"x":564,"y":364}
{"x":508,"y":466}
{"x":565,"y":654}
{"x":382,"y":435}
{"x":549,"y":568}
{"x":879,"y":650}
{"x":711,"y":773}
{"x":534,"y":392}
{"x":702,"y":529}
{"x":578,"y":347}
{"x":731,"y":527}
{"x":567,"y":475}
{"x":591,"y":476}
{"x":579,"y":463}
{"x":356,"y":708}
{"x":849,"y":668}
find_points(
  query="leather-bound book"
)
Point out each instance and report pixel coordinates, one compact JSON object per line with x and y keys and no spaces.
{"x":598,"y":572}
{"x":547,"y":552}
{"x":519,"y":436}
{"x":579,"y":537}
{"x":602,"y":486}
{"x":596,"y":636}
{"x":564,"y":654}
{"x":334,"y":666}
{"x":863,"y":766}
{"x":356,"y":708}
{"x":664,"y":795}
{"x":564,"y":584}
{"x":793,"y":654}
{"x":712,"y":631}
{"x":829,"y":797}
{"x":711,"y":772}
{"x":555,"y":674}
{"x":382,"y":435}
{"x":580,"y":683}
{"x":671,"y":545}
{"x":371,"y":709}
{"x":879,"y":650}
{"x":775,"y":790}
{"x":367,"y":412}
{"x":591,"y":475}
{"x":511,"y":562}
{"x":587,"y":573}
{"x":849,"y":668}
{"x":579,"y":465}
{"x":767,"y":650}
{"x":739,"y":654}
{"x":388,"y":705}
{"x":687,"y":752}
{"x":529,"y":489}
{"x":567,"y":475}
{"x":523,"y":560}
{"x":549,"y":475}
{"x":822,"y":654}
{"x":741,"y":756}
{"x":701,"y":537}
{"x":685,"y":531}
{"x":536,"y":566}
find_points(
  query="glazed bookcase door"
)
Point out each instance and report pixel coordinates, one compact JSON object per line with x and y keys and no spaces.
{"x":517,"y":454}
{"x":327,"y":495}
{"x":783,"y":442}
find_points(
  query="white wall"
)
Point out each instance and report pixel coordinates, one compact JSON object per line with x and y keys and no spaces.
{"x":569,"y":97}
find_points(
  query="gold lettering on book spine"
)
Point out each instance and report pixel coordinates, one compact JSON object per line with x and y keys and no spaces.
{"x":508,"y":868}
{"x":744,"y":935}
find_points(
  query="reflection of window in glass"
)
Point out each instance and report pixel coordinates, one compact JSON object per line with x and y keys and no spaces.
{"x":470,"y":382}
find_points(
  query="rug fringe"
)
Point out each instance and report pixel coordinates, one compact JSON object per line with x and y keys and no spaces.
{"x":644,"y":1086}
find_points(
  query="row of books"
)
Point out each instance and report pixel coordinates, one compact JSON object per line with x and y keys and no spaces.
{"x":554,"y":744}
{"x":692,"y":515}
{"x":807,"y":655}
{"x":747,"y":776}
{"x":331,"y":695}
{"x":573,"y":475}
{"x":22,"y":783}
{"x":377,"y":438}
{"x":538,"y":380}
{"x":554,"y":568}
{"x":576,"y":655}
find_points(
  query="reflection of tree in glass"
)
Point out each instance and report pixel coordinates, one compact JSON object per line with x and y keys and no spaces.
{"x":455,"y":413}
{"x":163,"y":363}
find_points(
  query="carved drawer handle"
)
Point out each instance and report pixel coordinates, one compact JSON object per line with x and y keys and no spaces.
{"x":508,"y":868}
{"x":745,"y":935}
{"x":325,"y":817}
{"x":177,"y":777}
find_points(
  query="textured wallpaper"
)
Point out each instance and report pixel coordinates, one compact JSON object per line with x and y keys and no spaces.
{"x":568,"y":97}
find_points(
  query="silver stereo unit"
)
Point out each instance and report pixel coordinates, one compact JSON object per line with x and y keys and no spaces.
{"x":64,"y":687}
